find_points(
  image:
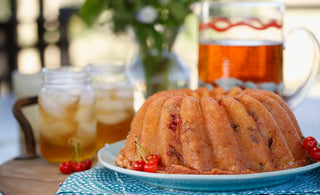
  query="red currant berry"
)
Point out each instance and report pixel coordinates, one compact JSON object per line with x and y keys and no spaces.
{"x":78,"y":166}
{"x":151,"y":166}
{"x":138,"y":165}
{"x":65,"y":168}
{"x":87,"y":164}
{"x":153,"y":157}
{"x":309,"y":143}
{"x":315,"y":153}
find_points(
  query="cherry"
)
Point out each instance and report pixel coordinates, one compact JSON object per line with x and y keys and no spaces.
{"x":78,"y":166}
{"x":153,"y":157}
{"x":75,"y":165}
{"x":65,"y":167}
{"x":70,"y":162}
{"x":138,"y":165}
{"x":315,"y":153}
{"x":309,"y":143}
{"x":151,"y":166}
{"x":87,"y":164}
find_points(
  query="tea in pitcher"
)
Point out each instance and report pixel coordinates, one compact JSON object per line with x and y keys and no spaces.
{"x":242,"y":44}
{"x":222,"y":62}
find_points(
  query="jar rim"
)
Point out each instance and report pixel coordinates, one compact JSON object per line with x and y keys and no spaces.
{"x":64,"y":75}
{"x":63,"y":71}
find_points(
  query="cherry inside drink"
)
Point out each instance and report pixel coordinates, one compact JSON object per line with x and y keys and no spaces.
{"x":254,"y":61}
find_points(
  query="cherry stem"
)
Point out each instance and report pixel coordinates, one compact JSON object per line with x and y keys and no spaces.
{"x":72,"y":152}
{"x":76,"y":149}
{"x":139,"y":150}
{"x":140,"y":154}
{"x":144,"y":149}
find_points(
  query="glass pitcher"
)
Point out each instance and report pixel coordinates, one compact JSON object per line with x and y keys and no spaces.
{"x":242,"y":44}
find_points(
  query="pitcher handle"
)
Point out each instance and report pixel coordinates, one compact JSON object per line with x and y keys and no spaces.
{"x":301,"y":93}
{"x":25,"y":126}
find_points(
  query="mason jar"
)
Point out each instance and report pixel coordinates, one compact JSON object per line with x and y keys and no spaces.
{"x":67,"y":117}
{"x":114,"y":101}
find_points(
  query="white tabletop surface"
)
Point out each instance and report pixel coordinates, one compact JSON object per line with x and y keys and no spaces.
{"x":307,"y":114}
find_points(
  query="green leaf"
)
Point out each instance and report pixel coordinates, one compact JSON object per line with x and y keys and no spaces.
{"x":91,"y":10}
{"x":177,"y":11}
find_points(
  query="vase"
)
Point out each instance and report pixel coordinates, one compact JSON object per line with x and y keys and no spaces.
{"x":153,"y":75}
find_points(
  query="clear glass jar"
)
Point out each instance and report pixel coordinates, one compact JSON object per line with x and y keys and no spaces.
{"x":114,"y":101}
{"x":67,"y":117}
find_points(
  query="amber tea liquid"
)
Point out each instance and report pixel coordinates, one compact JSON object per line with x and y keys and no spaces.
{"x":64,"y":123}
{"x":256,"y":61}
{"x":110,"y":133}
{"x":114,"y":112}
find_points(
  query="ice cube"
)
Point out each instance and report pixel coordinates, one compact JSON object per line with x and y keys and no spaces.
{"x":56,"y":103}
{"x":125,"y":93}
{"x":112,"y":118}
{"x":57,"y":133}
{"x":269,"y":86}
{"x":87,"y":128}
{"x":87,"y":98}
{"x":49,"y":104}
{"x":68,"y":99}
{"x":75,"y":91}
{"x":85,"y":113}
{"x":114,"y":104}
{"x":86,"y":134}
{"x":250,"y":84}
{"x":102,"y":92}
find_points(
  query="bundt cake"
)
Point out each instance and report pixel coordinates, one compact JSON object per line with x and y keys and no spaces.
{"x":216,"y":132}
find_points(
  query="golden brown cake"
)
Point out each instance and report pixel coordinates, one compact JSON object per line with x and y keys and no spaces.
{"x":216,"y":132}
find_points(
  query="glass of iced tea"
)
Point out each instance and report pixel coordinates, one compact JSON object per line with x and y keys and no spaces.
{"x":242,"y":44}
{"x":114,"y":101}
{"x":67,"y":117}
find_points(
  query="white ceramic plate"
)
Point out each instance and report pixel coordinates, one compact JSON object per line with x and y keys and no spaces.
{"x":107,"y":156}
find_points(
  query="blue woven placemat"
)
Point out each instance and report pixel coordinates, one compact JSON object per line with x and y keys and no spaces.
{"x":101,"y":180}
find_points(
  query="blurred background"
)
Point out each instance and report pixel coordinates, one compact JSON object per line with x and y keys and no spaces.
{"x":49,"y":33}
